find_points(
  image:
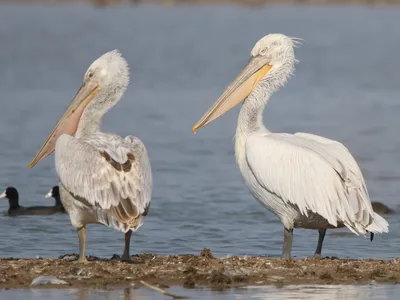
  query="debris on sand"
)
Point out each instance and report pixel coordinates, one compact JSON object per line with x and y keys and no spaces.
{"x":47,"y":280}
{"x":206,"y":253}
{"x":200,"y":270}
{"x":160,"y":290}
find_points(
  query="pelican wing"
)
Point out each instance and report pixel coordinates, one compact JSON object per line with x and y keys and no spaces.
{"x":339,"y":151}
{"x":108,"y":172}
{"x":316,"y":175}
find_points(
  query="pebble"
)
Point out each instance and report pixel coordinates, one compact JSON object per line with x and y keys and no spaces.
{"x":46,"y":280}
{"x":70,"y":257}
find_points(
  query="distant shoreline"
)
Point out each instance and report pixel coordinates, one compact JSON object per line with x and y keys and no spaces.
{"x":209,"y":2}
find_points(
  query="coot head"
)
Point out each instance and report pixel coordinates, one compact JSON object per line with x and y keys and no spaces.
{"x":11,"y":194}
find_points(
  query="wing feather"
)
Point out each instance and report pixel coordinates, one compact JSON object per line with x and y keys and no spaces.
{"x":313,"y":173}
{"x":108,"y":171}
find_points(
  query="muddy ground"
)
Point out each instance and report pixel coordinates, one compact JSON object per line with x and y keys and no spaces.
{"x":198,"y":270}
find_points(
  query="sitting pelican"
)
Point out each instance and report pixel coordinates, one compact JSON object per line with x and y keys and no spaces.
{"x":308,"y":181}
{"x":104,"y":178}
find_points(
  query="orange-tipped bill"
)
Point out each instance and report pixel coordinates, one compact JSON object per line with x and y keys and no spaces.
{"x":68,"y":123}
{"x":237,"y":91}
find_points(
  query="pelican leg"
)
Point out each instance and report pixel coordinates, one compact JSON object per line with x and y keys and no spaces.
{"x":287,"y":243}
{"x":82,"y":244}
{"x":126,"y":256}
{"x":321,"y":237}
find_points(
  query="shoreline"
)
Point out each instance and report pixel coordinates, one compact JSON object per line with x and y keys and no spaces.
{"x":192,"y":271}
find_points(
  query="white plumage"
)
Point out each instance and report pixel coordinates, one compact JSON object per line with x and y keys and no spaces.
{"x":308,"y":181}
{"x":301,"y":172}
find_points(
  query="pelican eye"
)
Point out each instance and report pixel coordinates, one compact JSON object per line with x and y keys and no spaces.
{"x":263,"y":51}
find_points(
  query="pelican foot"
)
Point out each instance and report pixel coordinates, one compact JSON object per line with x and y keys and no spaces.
{"x":128,"y":260}
{"x":81,"y":261}
{"x":316,"y":256}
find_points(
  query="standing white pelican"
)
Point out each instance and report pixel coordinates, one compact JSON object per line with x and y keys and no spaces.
{"x":308,"y":181}
{"x":104,"y":178}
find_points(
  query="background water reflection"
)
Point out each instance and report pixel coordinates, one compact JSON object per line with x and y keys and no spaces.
{"x":326,"y":292}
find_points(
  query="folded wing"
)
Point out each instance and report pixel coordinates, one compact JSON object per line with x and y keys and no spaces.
{"x":108,"y":172}
{"x":313,"y":173}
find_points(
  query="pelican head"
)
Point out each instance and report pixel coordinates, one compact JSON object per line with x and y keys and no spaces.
{"x":108,"y":73}
{"x":271,"y":64}
{"x":103,"y":85}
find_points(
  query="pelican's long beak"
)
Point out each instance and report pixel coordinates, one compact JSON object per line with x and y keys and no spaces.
{"x":237,"y":91}
{"x":68,"y":123}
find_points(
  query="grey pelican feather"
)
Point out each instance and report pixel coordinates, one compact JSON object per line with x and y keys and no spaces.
{"x":104,"y":178}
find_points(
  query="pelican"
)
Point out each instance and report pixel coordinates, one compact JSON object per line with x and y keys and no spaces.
{"x":308,"y":181}
{"x":104,"y":178}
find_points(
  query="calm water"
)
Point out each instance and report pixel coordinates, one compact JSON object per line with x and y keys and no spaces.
{"x":312,"y":292}
{"x":346,"y":87}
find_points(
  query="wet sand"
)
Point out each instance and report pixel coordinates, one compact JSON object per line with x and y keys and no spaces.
{"x":198,"y":270}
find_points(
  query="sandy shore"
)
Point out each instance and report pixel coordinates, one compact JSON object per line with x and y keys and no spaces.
{"x":198,"y":270}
